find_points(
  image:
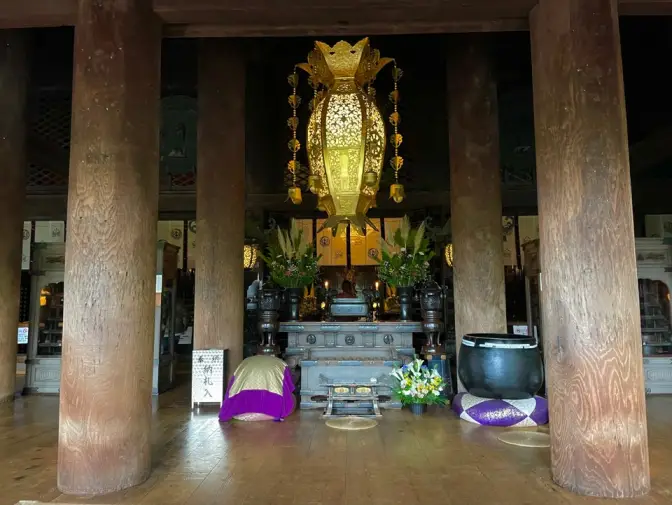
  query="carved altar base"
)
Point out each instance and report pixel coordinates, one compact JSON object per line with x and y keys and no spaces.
{"x":347,"y":353}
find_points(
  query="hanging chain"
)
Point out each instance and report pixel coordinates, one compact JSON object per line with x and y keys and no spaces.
{"x":293,"y":122}
{"x":395,"y":119}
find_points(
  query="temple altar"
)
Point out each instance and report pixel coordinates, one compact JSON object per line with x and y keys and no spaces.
{"x":346,"y":352}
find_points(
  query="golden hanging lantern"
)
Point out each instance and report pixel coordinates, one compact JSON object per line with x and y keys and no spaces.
{"x":448,"y":254}
{"x":249,"y":256}
{"x":346,"y":132}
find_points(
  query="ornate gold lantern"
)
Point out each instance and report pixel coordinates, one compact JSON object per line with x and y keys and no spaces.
{"x":346,"y":132}
{"x":448,"y":254}
{"x":249,"y":256}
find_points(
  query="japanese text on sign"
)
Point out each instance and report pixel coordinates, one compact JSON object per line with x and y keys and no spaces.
{"x":207,"y":384}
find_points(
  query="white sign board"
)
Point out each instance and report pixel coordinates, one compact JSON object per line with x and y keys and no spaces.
{"x":519,"y":329}
{"x":23,"y":335}
{"x":207,"y":376}
{"x":49,"y":232}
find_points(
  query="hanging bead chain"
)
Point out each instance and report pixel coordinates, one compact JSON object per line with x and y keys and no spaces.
{"x":395,"y":119}
{"x":294,"y":145}
{"x":316,"y":86}
{"x":370,"y":90}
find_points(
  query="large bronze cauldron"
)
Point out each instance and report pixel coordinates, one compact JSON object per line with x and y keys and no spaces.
{"x":501,"y":366}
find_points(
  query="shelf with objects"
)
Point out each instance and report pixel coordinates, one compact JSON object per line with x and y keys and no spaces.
{"x":654,"y":272}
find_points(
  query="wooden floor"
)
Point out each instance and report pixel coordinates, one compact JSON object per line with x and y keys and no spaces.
{"x":433,"y":460}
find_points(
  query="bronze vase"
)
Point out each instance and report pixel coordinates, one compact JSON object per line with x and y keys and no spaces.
{"x":405,"y":302}
{"x":293,"y":297}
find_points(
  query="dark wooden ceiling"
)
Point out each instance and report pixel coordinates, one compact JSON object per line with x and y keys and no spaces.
{"x":199,"y":18}
{"x":646,"y":46}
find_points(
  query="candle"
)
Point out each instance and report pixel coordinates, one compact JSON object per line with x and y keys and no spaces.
{"x":377,"y":285}
{"x":326,"y":284}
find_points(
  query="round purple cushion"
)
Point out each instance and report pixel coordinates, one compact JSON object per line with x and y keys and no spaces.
{"x":502,"y":413}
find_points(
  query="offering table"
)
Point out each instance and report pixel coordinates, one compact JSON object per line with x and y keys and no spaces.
{"x":346,"y":353}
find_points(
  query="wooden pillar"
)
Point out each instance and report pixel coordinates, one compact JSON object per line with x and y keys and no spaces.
{"x":589,"y":298}
{"x":108,"y":329}
{"x":220,"y":199}
{"x":13,"y":83}
{"x":475,"y":190}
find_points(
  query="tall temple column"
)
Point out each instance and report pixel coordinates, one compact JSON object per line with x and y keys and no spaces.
{"x":220,"y":199}
{"x":589,"y":300}
{"x":110,"y":267}
{"x":13,"y":84}
{"x":475,"y":190}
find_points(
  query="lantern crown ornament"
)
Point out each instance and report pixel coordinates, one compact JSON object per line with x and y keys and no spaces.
{"x":346,"y":138}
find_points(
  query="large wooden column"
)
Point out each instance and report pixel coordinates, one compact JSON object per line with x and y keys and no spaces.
{"x":475,"y":189}
{"x":589,"y":300}
{"x":108,"y":329}
{"x":220,"y":199}
{"x":13,"y":84}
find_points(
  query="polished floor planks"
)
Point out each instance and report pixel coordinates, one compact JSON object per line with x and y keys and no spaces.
{"x":434,"y":459}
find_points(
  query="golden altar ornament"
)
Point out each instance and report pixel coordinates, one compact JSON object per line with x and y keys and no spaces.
{"x":249,"y":256}
{"x":448,"y":254}
{"x":346,"y":138}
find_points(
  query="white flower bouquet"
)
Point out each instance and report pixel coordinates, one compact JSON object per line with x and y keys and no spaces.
{"x":418,"y":384}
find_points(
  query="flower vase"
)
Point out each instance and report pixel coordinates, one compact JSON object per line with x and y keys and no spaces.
{"x":417,"y":409}
{"x":405,"y":302}
{"x":294,"y":296}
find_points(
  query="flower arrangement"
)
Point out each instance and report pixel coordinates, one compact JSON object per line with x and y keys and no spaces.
{"x":291,"y":259}
{"x":409,"y":263}
{"x":418,"y":384}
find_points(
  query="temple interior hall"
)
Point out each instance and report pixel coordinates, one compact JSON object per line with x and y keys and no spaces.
{"x":318,"y":253}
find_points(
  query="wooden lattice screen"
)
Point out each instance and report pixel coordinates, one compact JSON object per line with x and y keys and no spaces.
{"x":48,"y":143}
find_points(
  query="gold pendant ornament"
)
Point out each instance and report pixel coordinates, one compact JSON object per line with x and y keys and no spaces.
{"x":346,"y":132}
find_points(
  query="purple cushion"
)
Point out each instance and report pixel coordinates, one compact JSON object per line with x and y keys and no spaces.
{"x":502,"y":413}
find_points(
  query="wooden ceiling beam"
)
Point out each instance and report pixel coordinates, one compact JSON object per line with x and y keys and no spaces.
{"x":37,"y":13}
{"x":336,"y":12}
{"x":249,"y":18}
{"x":314,"y":30}
{"x":645,"y":8}
{"x":650,"y":196}
{"x":182,"y":205}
